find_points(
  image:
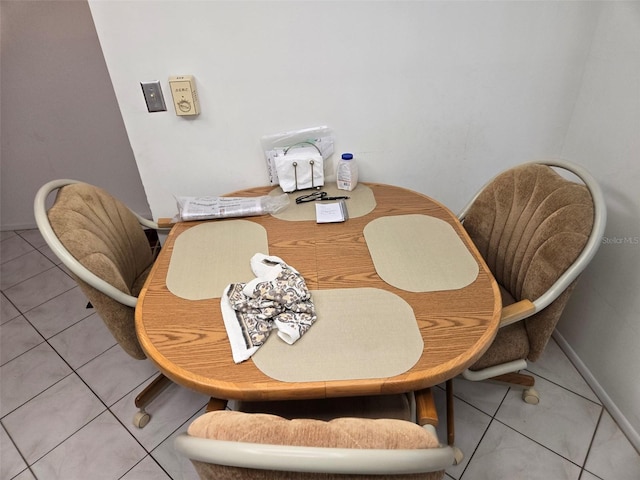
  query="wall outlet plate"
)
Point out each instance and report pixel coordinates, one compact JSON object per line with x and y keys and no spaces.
{"x":152,"y":92}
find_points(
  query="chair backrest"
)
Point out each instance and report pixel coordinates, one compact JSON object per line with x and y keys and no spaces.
{"x":537,"y":231}
{"x":231,"y":444}
{"x":105,"y":248}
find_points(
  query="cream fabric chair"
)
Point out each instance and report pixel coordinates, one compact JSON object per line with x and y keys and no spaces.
{"x":104,"y":246}
{"x":537,"y":231}
{"x":230,"y":445}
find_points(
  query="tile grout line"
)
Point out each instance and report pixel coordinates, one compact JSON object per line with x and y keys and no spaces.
{"x":149,"y":453}
{"x":540,"y":444}
{"x":493,"y":418}
{"x":593,"y":437}
{"x":169,"y":436}
{"x":74,"y":371}
{"x":44,"y":340}
{"x":30,"y":278}
{"x":15,"y":447}
{"x":65,"y":439}
{"x":599,"y":403}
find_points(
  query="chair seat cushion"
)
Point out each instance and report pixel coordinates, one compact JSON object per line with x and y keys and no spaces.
{"x":338,"y":433}
{"x":511,"y":343}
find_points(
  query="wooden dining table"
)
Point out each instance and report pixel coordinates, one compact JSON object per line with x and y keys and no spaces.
{"x":186,"y":339}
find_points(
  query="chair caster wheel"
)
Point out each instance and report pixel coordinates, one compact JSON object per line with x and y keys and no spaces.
{"x":141,"y":418}
{"x":530,"y":395}
{"x":458,"y":456}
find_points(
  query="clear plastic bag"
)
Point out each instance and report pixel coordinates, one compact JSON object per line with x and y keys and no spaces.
{"x":205,"y":208}
{"x":319,"y":138}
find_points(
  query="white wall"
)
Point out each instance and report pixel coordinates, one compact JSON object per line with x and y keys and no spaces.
{"x":60,"y":118}
{"x":435,"y":96}
{"x":602,"y":322}
{"x":427,"y":95}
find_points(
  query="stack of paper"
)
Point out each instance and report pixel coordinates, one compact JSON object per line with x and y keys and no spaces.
{"x":331,"y":212}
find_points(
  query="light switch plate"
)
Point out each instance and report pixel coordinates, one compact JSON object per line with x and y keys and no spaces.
{"x":152,"y":92}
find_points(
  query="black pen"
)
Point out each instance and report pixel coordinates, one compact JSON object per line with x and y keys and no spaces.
{"x":332,"y":198}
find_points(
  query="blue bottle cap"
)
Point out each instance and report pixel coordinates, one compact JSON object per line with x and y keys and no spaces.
{"x":347,"y":156}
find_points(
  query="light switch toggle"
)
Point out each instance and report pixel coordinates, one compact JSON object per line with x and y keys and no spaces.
{"x":185,"y":97}
{"x":152,"y":92}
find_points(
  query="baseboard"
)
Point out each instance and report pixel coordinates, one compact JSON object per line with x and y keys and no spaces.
{"x":607,"y":402}
{"x":18,"y":226}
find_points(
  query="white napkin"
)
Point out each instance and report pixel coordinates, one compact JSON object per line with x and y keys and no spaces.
{"x":277,"y":298}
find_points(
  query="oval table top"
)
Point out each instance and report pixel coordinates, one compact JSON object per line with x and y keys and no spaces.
{"x":187,"y":340}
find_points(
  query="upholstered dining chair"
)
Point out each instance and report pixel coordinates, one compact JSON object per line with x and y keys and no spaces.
{"x":104,"y":246}
{"x":226,"y":444}
{"x":537,"y":230}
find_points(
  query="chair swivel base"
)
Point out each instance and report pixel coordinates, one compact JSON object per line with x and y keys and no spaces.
{"x":530,"y":394}
{"x":458,"y":455}
{"x":142,"y":418}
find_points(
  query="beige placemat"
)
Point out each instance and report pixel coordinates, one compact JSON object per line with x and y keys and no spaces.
{"x":361,"y":201}
{"x":210,"y":256}
{"x":360,"y":333}
{"x":419,"y":253}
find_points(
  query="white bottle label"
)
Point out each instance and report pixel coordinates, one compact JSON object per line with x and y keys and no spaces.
{"x":347,"y":175}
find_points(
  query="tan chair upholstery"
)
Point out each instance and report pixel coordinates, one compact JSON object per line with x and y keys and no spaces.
{"x":106,"y":250}
{"x":537,"y":230}
{"x":229,"y":445}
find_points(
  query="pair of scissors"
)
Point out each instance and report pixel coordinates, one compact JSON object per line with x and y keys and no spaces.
{"x":317,"y":196}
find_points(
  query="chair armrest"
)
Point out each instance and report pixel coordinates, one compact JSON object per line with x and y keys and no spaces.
{"x":516,"y":312}
{"x":165,"y":223}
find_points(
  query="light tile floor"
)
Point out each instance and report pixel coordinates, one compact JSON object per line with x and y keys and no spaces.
{"x":67,"y":389}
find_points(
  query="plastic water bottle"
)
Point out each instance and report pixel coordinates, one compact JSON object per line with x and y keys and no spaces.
{"x":347,"y":173}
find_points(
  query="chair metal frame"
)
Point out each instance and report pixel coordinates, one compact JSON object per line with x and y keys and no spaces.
{"x":141,"y":418}
{"x":525,"y":308}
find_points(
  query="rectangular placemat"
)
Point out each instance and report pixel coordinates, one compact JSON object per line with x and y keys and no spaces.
{"x":360,"y":333}
{"x":361,"y":201}
{"x":419,"y":253}
{"x":208,"y":257}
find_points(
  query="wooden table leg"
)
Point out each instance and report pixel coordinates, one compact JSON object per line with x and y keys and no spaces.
{"x":216,"y":404}
{"x":451,"y":434}
{"x":426,"y":413}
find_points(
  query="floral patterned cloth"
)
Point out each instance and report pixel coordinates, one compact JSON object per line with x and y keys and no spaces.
{"x":277,"y":298}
